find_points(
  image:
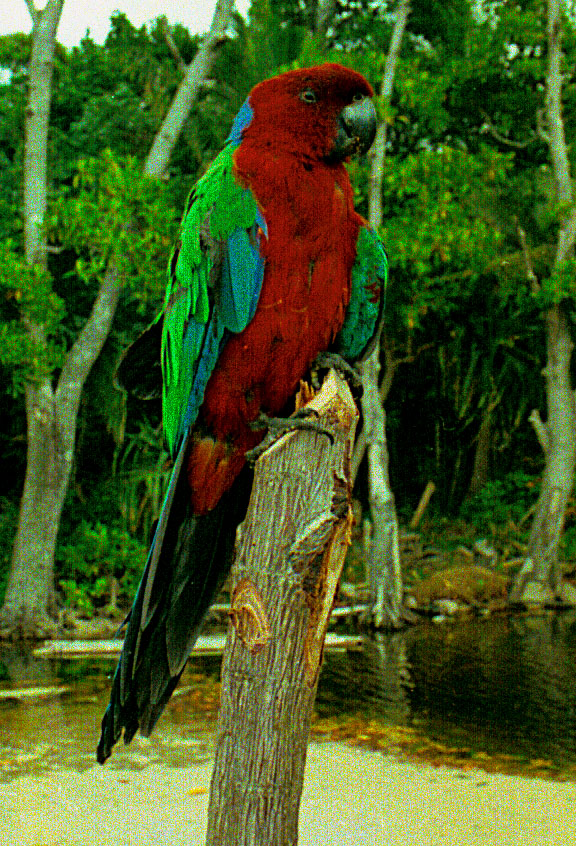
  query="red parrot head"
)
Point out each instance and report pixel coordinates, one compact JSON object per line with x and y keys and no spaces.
{"x":321,"y":113}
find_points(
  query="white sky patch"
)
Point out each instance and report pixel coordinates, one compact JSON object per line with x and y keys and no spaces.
{"x":94,"y":15}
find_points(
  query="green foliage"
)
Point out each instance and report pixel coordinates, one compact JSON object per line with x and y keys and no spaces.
{"x":568,"y":546}
{"x":501,"y":501}
{"x":31,"y":313}
{"x":140,"y":477}
{"x":95,"y":554}
{"x":112,"y":208}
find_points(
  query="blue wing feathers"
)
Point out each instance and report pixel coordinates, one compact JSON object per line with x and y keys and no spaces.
{"x":242,"y":276}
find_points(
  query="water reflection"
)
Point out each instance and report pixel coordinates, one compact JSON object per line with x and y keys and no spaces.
{"x":501,"y":685}
{"x":505,"y":685}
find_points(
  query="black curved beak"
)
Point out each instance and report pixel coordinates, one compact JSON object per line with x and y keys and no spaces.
{"x":356,"y":130}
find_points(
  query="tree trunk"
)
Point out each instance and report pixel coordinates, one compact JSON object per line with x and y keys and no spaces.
{"x":539,"y":579}
{"x":51,"y":417}
{"x":385,"y":575}
{"x":52,"y":411}
{"x":385,"y":571}
{"x":290,"y":553}
{"x":36,"y":128}
{"x":29,"y":595}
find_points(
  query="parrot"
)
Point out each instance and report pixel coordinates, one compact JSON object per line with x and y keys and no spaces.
{"x":272,"y":268}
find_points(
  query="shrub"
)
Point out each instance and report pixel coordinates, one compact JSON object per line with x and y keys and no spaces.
{"x":96,"y":554}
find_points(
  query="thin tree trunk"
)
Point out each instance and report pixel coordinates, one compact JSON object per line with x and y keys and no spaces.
{"x":539,"y":578}
{"x":29,"y":595}
{"x":290,"y":553}
{"x":52,"y":411}
{"x":385,"y":572}
{"x":385,"y":576}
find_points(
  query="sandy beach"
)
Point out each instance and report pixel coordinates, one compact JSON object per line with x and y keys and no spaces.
{"x":351,"y":798}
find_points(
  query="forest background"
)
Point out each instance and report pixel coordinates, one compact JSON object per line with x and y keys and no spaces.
{"x":470,"y":217}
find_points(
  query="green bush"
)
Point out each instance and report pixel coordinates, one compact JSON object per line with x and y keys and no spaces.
{"x":501,"y":501}
{"x":96,"y":554}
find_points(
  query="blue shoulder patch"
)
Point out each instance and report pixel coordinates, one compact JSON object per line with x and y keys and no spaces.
{"x":241,"y":121}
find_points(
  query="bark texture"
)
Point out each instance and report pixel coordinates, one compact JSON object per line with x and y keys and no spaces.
{"x":289,"y":556}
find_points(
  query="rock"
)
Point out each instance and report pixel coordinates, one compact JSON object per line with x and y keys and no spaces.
{"x":468,"y":585}
{"x":568,"y":594}
{"x":96,"y":629}
{"x":535,"y":593}
{"x":447,"y":607}
{"x":485,"y":554}
{"x":463,"y":557}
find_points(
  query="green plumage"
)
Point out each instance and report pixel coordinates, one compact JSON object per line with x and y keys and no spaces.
{"x":201,"y":286}
{"x":368,"y":287}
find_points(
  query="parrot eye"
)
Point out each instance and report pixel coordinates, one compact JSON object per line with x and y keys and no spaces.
{"x":358,"y":97}
{"x":308,"y":96}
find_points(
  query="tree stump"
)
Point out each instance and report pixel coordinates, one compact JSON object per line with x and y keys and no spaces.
{"x":289,"y":555}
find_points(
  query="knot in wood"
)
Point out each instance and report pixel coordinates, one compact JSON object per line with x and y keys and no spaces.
{"x":249,"y":616}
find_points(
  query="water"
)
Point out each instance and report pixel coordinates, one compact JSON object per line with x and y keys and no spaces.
{"x":504,"y":686}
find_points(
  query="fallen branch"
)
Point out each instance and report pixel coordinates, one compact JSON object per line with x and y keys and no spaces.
{"x":205,"y":645}
{"x":422,"y":505}
{"x":33,"y":693}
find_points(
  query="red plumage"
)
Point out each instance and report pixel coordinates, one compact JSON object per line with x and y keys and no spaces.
{"x":310,"y":249}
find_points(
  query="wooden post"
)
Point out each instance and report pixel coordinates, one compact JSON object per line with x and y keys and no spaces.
{"x":289,"y":555}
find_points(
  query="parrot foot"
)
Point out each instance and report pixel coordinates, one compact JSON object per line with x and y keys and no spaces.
{"x":326,"y":360}
{"x":278,"y":426}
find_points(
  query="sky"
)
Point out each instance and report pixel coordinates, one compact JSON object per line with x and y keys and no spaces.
{"x":80,"y":15}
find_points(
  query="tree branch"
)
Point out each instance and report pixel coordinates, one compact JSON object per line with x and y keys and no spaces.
{"x":34,"y":12}
{"x":171,"y":44}
{"x":530,"y":274}
{"x":196,"y":73}
{"x":540,"y":429}
{"x":379,"y":147}
{"x":324,"y":13}
{"x":489,"y":127}
{"x":87,"y":346}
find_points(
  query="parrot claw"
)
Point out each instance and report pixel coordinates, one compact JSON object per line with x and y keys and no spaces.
{"x":327,"y":360}
{"x":278,"y":426}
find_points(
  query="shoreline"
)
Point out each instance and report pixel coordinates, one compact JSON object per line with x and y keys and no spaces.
{"x":351,"y":797}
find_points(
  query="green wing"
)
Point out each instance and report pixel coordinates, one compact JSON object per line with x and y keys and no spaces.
{"x":366,"y":307}
{"x":214,"y":281}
